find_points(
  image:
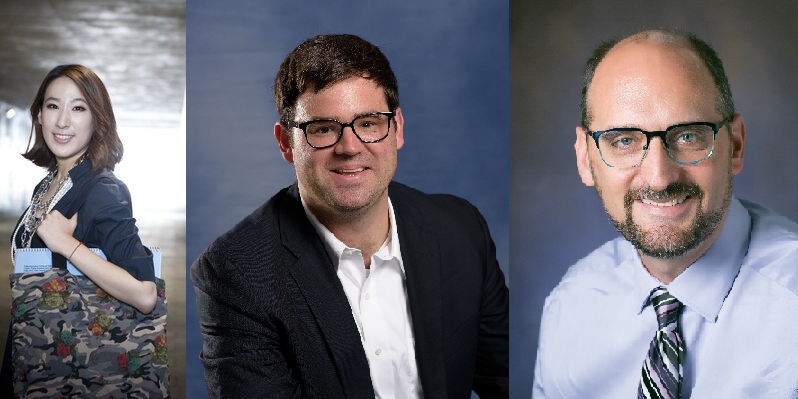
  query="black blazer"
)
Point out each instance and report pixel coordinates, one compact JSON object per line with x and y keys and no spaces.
{"x":276,"y":322}
{"x":105,"y":220}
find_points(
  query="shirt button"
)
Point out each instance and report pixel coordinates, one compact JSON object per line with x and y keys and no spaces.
{"x":368,"y":296}
{"x":378,"y":351}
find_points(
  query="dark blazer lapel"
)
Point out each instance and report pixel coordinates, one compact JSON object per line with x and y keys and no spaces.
{"x":422,"y":262}
{"x":315,"y":275}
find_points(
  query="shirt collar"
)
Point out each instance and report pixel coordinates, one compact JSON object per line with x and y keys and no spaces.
{"x":705,"y":284}
{"x":644,"y":282}
{"x":335,"y":248}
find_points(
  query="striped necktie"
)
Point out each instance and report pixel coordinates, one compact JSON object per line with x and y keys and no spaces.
{"x":662,"y":371}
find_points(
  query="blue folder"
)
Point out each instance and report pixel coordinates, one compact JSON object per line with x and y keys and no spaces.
{"x":38,"y":260}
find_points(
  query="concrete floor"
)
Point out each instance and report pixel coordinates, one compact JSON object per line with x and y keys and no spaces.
{"x":164,"y":230}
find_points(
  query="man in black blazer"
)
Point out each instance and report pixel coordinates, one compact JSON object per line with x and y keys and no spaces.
{"x":348,"y":285}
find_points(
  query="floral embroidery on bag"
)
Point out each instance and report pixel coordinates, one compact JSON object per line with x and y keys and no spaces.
{"x":65,"y":344}
{"x":130,"y":362}
{"x":100,"y":324}
{"x":161,"y":286}
{"x":160,"y":356}
{"x":55,"y":285}
{"x":18,"y":310}
{"x":55,"y":295}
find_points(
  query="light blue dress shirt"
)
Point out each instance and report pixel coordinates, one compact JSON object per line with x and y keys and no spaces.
{"x":739,"y":323}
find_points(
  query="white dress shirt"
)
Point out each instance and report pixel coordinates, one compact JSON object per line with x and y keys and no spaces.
{"x":739,"y":321}
{"x":378,"y":297}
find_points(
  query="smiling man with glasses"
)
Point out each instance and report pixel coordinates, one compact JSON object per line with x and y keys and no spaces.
{"x":699,"y":298}
{"x":346,"y":284}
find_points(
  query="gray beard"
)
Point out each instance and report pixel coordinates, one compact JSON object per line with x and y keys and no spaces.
{"x":662,"y":243}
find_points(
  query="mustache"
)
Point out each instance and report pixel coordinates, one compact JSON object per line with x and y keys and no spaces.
{"x":673,"y":189}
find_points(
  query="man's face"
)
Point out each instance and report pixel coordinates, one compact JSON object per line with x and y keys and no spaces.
{"x":664,"y":208}
{"x":351,"y":176}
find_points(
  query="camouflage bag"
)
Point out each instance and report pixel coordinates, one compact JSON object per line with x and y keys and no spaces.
{"x":73,"y":340}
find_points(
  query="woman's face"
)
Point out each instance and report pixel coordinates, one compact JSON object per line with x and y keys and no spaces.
{"x":67,"y":122}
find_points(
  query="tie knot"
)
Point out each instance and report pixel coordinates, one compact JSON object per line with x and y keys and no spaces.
{"x":666,"y":306}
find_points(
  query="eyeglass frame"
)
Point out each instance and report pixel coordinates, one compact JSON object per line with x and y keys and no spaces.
{"x":303,"y":125}
{"x":661,"y":134}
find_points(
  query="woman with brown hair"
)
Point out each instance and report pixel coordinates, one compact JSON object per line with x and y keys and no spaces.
{"x":74,"y":137}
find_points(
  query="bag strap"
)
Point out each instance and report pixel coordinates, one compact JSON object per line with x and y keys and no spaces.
{"x":59,"y":261}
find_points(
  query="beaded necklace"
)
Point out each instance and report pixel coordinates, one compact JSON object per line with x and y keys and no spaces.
{"x":34,"y":215}
{"x":39,"y":207}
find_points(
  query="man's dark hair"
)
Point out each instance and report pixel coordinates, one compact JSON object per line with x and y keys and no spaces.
{"x":327,"y":59}
{"x":723,"y":100}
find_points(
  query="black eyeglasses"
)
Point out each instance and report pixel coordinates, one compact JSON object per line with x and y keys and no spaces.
{"x":324,"y":133}
{"x":686,"y":143}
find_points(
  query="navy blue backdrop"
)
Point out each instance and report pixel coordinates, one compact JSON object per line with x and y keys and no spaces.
{"x":451,"y":61}
{"x":556,"y":219}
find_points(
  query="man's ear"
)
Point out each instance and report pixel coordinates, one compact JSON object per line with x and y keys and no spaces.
{"x":582,"y":158}
{"x":737,"y":143}
{"x":282,"y":134}
{"x":400,"y":123}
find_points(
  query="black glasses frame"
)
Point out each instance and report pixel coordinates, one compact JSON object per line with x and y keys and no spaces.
{"x":303,"y":125}
{"x":661,"y":134}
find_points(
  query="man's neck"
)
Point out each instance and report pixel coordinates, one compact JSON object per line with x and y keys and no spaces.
{"x":365,"y":229}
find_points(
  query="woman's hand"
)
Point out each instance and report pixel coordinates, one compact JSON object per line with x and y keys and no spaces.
{"x":56,"y":232}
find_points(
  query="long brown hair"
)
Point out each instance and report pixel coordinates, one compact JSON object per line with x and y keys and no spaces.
{"x":104,"y":149}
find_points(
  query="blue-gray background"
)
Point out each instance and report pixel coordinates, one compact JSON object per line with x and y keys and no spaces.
{"x":451,"y":61}
{"x":556,"y":219}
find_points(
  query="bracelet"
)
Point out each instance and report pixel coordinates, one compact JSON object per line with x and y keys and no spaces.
{"x":69,"y":258}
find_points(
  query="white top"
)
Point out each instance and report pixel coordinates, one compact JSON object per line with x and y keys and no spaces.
{"x":378,"y":297}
